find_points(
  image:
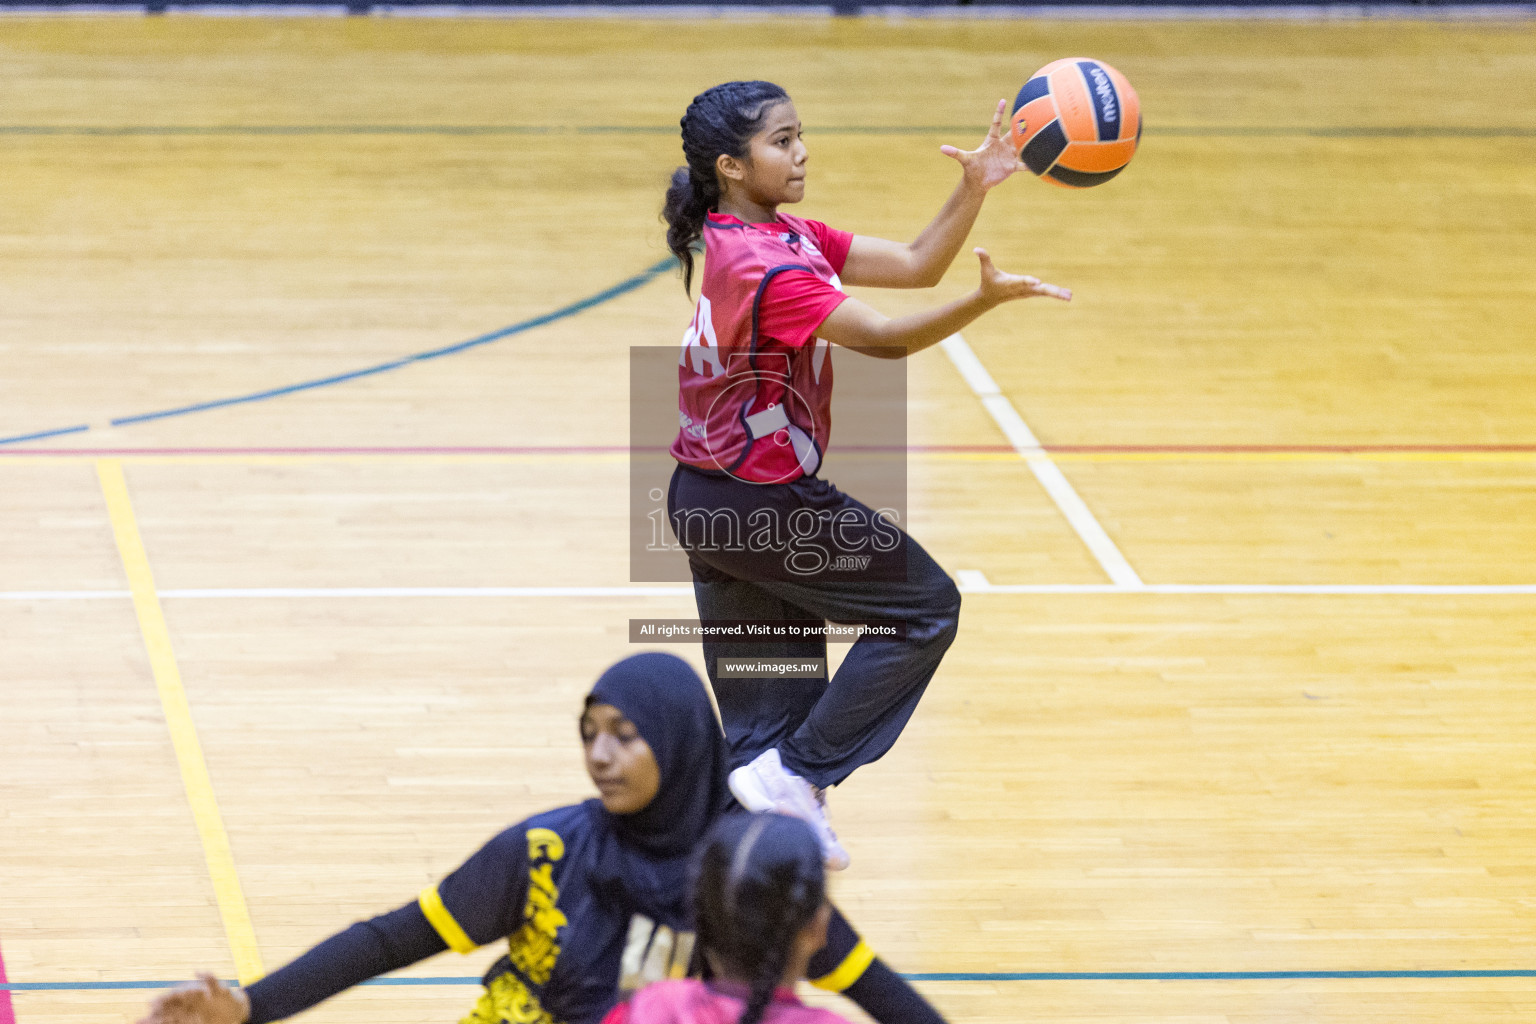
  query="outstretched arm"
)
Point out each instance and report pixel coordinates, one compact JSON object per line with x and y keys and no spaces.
{"x":475,"y":904}
{"x":921,"y":263}
{"x":846,"y":965}
{"x":365,"y":950}
{"x":855,"y":325}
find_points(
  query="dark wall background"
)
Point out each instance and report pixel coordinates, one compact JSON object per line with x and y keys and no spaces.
{"x":841,"y":6}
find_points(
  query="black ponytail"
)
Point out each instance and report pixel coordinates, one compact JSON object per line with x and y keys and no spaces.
{"x":721,"y":120}
{"x":687,"y":203}
{"x":758,"y":882}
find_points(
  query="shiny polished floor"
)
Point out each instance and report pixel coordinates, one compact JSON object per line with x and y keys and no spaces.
{"x":1238,"y":726}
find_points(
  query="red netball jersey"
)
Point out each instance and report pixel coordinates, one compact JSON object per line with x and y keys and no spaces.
{"x":754,"y":383}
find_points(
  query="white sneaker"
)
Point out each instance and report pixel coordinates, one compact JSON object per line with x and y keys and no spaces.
{"x":763,"y":784}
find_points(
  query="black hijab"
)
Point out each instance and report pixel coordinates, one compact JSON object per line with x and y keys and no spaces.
{"x":666,"y":700}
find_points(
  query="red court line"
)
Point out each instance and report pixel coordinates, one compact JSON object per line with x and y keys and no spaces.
{"x":1235,"y":449}
{"x":1061,"y":449}
{"x":7,"y":1010}
{"x":1286,"y":449}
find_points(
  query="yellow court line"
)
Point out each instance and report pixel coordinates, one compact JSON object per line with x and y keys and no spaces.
{"x":178,"y":717}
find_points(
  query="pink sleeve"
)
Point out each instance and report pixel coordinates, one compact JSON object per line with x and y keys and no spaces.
{"x":834,"y":244}
{"x":793,"y":306}
{"x":618,"y":1015}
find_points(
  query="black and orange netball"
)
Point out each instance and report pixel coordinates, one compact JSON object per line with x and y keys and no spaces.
{"x":1076,"y":122}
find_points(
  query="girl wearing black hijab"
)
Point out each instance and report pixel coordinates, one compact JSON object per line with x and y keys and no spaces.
{"x":590,"y":898}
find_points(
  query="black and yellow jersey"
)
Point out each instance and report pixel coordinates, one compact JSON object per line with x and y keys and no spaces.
{"x":575,"y":942}
{"x":574,"y":939}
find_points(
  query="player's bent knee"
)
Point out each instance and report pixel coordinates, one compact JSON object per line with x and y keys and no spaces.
{"x":939,"y":620}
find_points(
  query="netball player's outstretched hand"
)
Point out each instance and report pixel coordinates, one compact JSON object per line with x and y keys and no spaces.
{"x":204,"y":1001}
{"x":998,"y":287}
{"x":993,"y":161}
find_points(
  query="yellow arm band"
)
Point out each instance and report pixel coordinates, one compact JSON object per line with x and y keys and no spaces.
{"x":849,"y":971}
{"x":438,"y":916}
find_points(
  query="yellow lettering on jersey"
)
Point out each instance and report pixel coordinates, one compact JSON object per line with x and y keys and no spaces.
{"x":682,"y":956}
{"x":653,"y":952}
{"x":545,"y":845}
{"x":658,"y":959}
{"x":535,"y":946}
{"x":640,"y":928}
{"x":506,"y":1000}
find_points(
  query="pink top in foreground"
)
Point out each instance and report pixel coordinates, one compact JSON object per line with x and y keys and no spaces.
{"x":690,"y":1001}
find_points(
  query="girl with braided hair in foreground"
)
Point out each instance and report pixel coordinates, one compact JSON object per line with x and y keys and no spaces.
{"x":761,"y":910}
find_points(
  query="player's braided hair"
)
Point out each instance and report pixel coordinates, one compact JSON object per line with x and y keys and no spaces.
{"x":721,"y":120}
{"x":759,"y":882}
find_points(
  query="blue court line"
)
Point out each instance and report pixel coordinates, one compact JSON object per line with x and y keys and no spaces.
{"x":623,"y":287}
{"x":59,"y":986}
{"x":42,"y":434}
{"x":1205,"y":975}
{"x":1188,"y":131}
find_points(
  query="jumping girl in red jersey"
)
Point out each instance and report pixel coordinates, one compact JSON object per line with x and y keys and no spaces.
{"x":755,"y":384}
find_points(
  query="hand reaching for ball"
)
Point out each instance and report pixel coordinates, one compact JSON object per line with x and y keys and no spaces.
{"x":993,"y":161}
{"x":998,"y":287}
{"x":204,"y":1001}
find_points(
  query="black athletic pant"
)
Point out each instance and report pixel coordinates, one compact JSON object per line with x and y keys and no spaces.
{"x":833,"y":561}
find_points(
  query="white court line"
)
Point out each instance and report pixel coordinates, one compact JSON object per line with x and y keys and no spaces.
{"x":1050,"y":476}
{"x":971,"y":582}
{"x":1366,"y":589}
{"x":65,"y":595}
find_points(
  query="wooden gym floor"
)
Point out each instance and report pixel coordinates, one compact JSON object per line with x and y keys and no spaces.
{"x":1242,"y":700}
